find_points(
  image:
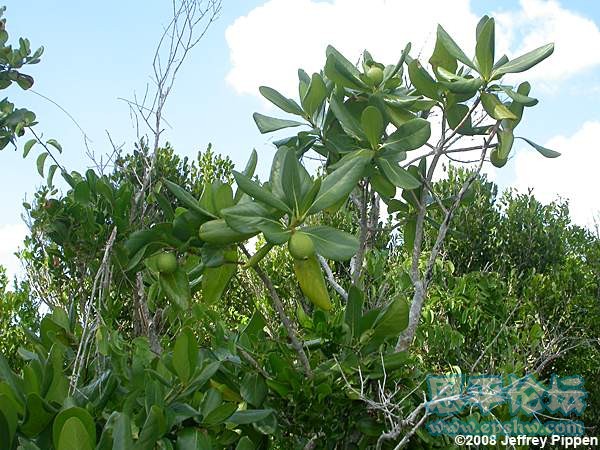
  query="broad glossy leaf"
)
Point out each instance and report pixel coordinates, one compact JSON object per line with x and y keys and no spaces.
{"x":372,"y":123}
{"x":245,"y":444}
{"x":186,"y":198}
{"x":495,"y":108}
{"x":341,"y":71}
{"x":526,"y":61}
{"x":193,"y":439}
{"x":249,"y":416}
{"x":253,"y":388}
{"x":350,"y":125}
{"x":220,"y":414}
{"x":268,"y":124}
{"x":397,"y":175}
{"x":315,"y":95}
{"x":332,"y":243}
{"x":286,"y":104}
{"x":453,"y":47}
{"x":338,"y":184}
{"x":441,"y":57}
{"x":185,"y":355}
{"x":176,"y":287}
{"x":354,"y":307}
{"x":122,"y":439}
{"x":519,"y":98}
{"x":543,"y":150}
{"x":154,"y":428}
{"x":258,"y":192}
{"x":63,"y":417}
{"x":408,"y":136}
{"x":422,"y":81}
{"x":484,"y":49}
{"x":500,"y":154}
{"x":215,"y":280}
{"x":74,"y":435}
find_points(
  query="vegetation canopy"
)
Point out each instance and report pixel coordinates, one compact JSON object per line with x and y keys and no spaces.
{"x":193,"y":305}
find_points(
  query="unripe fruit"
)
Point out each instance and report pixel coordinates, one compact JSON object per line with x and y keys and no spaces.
{"x":301,"y":246}
{"x":375,"y":74}
{"x":311,"y":281}
{"x":166,"y":263}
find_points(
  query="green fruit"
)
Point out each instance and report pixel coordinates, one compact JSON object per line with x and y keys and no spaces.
{"x":375,"y":74}
{"x":311,"y":281}
{"x":301,"y":246}
{"x":166,"y":262}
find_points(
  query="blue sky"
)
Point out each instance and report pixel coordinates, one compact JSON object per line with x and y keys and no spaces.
{"x":98,"y":52}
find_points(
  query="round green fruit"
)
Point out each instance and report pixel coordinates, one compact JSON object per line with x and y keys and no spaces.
{"x":375,"y":74}
{"x":166,"y":263}
{"x":301,"y":246}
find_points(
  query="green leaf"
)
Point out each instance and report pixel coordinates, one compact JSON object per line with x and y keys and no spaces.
{"x":253,"y":388}
{"x":268,"y":124}
{"x":176,"y":287}
{"x":216,"y":279}
{"x":397,"y":175}
{"x":526,"y":61}
{"x":186,"y":198}
{"x":389,"y":74}
{"x":349,"y":124}
{"x":408,"y":136}
{"x":286,"y":104}
{"x":185,"y":355}
{"x":441,"y":58}
{"x":39,"y":415}
{"x":41,"y":159}
{"x":354,"y":307}
{"x":84,"y":418}
{"x":122,"y":439}
{"x":543,"y":150}
{"x":341,"y":71}
{"x":484,"y":49}
{"x":372,"y":122}
{"x":495,"y":108}
{"x":339,"y":183}
{"x":51,"y":172}
{"x":245,"y":444}
{"x":518,"y":97}
{"x":453,"y":48}
{"x":74,"y":436}
{"x":54,"y":143}
{"x":28,"y":146}
{"x":249,"y":416}
{"x":258,"y":192}
{"x":499,"y":155}
{"x":422,"y":81}
{"x":154,"y":428}
{"x":8,"y":420}
{"x":316,"y":94}
{"x":331,"y":243}
{"x":220,"y":414}
{"x":392,"y":320}
{"x":193,"y":439}
{"x":462,"y":86}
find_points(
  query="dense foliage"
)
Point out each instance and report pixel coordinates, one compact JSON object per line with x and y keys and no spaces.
{"x":207,"y":309}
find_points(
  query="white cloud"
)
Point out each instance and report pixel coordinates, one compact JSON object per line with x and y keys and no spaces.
{"x":539,"y":22}
{"x":11,"y":237}
{"x":573,"y":175}
{"x":272,"y":41}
